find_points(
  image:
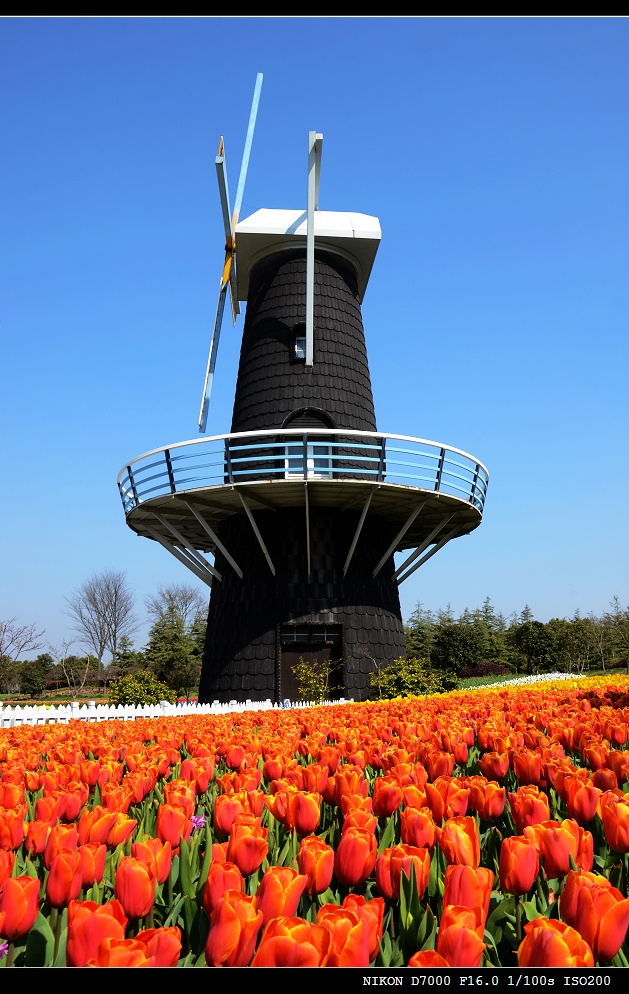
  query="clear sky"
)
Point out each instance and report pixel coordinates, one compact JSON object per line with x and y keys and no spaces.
{"x":495,"y":153}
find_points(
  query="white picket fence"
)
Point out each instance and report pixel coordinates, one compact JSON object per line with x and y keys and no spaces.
{"x":63,"y":713}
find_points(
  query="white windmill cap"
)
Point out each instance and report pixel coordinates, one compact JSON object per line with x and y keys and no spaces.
{"x":354,"y":237}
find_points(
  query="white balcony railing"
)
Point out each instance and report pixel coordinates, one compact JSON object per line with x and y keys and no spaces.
{"x":293,"y":454}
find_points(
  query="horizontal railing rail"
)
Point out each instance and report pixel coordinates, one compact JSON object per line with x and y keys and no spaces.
{"x":293,"y":454}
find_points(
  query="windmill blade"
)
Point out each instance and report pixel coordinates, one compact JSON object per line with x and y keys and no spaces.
{"x":228,"y":278}
{"x":211,"y":362}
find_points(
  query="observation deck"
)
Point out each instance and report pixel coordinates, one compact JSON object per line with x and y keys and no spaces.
{"x":179,"y":495}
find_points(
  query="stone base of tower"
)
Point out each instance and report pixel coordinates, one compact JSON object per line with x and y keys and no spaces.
{"x":258,"y":627}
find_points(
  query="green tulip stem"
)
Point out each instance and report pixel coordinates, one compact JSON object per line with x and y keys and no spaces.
{"x":518,"y":918}
{"x":58,"y":925}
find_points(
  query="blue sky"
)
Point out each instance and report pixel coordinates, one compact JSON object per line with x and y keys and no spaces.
{"x":495,"y":154}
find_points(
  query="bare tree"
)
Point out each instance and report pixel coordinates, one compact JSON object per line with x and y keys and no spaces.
{"x":181,"y":600}
{"x":14,"y":641}
{"x":102,"y":612}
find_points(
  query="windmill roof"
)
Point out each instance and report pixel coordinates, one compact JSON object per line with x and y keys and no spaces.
{"x":355,"y":237}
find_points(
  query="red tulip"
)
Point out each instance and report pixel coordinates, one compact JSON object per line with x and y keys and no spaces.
{"x":304,"y":811}
{"x":19,"y":906}
{"x":494,"y":765}
{"x":458,"y":940}
{"x":550,"y":943}
{"x":428,"y":959}
{"x":134,"y":886}
{"x":581,"y":800}
{"x":7,"y":859}
{"x":89,"y":924}
{"x":92,"y":863}
{"x":387,"y":796}
{"x":121,"y":953}
{"x":488,"y":800}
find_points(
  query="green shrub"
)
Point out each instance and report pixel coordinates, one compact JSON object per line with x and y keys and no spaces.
{"x":140,"y":688}
{"x":410,"y":678}
{"x":315,"y":678}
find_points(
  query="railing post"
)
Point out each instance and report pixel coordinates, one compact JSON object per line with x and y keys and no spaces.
{"x":474,"y":484}
{"x":132,"y":482}
{"x":169,"y":467}
{"x":228,"y":462}
{"x":442,"y":457}
{"x":383,"y":446}
{"x":305,"y":454}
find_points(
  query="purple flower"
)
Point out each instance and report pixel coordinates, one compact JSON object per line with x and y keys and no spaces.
{"x":4,"y":948}
{"x":198,"y":821}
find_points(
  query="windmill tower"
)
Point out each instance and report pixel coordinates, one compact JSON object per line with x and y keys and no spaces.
{"x":304,"y":503}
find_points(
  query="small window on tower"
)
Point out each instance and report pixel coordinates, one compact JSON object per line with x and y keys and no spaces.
{"x":299,"y":343}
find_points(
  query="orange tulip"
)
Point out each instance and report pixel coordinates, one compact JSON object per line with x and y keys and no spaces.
{"x":392,"y":863}
{"x":95,"y":825}
{"x":279,"y":892}
{"x":417,"y":827}
{"x":556,"y":841}
{"x":316,"y":862}
{"x":221,"y":877}
{"x":163,"y":945}
{"x":304,"y":811}
{"x":459,"y":841}
{"x":372,"y":912}
{"x":527,"y":766}
{"x":88,"y":925}
{"x":12,"y":827}
{"x":248,"y":846}
{"x":550,"y":943}
{"x":581,"y":800}
{"x":121,"y":830}
{"x":7,"y":859}
{"x":134,"y":886}
{"x":173,"y":825}
{"x":458,"y":939}
{"x":293,"y":942}
{"x":234,"y":927}
{"x":157,"y":853}
{"x":65,"y":878}
{"x":121,"y":953}
{"x":488,"y":800}
{"x":615,"y":815}
{"x":519,"y":864}
{"x":36,"y":836}
{"x":227,"y":807}
{"x":387,"y":796}
{"x":355,"y":856}
{"x":529,"y":806}
{"x":468,"y":886}
{"x":429,"y":959}
{"x":455,"y":796}
{"x":494,"y":765}
{"x":597,"y":911}
{"x":349,"y":934}
{"x":19,"y":906}
{"x":92,"y":863}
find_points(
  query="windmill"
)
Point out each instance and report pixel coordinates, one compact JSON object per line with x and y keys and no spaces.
{"x":303,"y":503}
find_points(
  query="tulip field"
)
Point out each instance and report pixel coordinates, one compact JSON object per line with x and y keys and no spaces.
{"x":477,"y":828}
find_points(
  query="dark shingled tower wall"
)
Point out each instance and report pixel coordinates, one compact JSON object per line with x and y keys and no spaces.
{"x":243,"y":651}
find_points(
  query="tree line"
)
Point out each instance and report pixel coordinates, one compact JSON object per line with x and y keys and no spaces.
{"x":483,"y":642}
{"x":103,"y":620}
